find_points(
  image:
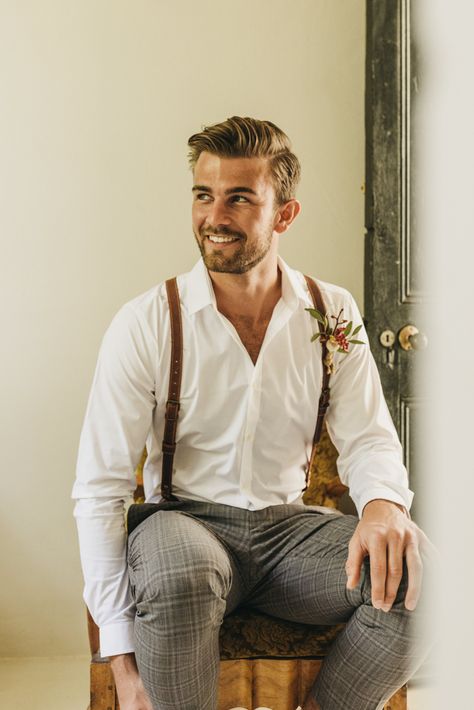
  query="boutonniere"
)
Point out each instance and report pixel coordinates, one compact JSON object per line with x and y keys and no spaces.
{"x":337,"y":337}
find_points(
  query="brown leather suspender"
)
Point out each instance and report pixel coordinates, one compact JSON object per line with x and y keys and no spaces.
{"x":174,"y":389}
{"x":176,"y":369}
{"x":325,"y":391}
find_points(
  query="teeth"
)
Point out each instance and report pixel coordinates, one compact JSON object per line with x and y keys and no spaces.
{"x":219,"y":240}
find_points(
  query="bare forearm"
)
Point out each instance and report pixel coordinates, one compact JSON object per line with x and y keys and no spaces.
{"x":124,"y":664}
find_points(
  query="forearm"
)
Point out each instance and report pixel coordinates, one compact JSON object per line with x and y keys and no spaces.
{"x":124,"y":668}
{"x":130,"y":690}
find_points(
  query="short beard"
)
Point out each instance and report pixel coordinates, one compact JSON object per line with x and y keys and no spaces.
{"x":241,"y":261}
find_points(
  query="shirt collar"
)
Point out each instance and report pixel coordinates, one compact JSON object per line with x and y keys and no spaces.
{"x":195,"y":289}
{"x":197,"y":292}
{"x":294,"y":289}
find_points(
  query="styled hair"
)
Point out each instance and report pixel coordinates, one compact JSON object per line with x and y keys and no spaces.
{"x":239,"y":137}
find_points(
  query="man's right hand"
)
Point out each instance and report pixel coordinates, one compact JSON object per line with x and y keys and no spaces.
{"x":131,"y":693}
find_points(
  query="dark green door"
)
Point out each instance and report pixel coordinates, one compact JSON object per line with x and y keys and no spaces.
{"x":393,"y":289}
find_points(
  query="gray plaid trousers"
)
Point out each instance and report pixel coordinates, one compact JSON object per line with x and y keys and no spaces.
{"x":191,"y":563}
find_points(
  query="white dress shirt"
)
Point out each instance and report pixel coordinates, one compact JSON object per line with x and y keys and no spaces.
{"x":244,"y":432}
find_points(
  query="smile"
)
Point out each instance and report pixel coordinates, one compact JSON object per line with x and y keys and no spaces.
{"x":221,"y":240}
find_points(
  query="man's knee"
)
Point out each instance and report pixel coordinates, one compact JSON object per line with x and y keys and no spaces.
{"x":176,"y":563}
{"x":407,"y":630}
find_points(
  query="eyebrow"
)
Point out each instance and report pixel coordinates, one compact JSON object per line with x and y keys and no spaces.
{"x":230,"y":191}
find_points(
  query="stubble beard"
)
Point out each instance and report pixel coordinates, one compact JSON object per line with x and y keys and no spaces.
{"x":243,"y":257}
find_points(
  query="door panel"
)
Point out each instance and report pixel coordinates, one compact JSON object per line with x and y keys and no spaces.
{"x":393,"y":252}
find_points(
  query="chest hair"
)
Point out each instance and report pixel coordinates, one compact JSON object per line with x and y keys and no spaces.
{"x":250,"y":333}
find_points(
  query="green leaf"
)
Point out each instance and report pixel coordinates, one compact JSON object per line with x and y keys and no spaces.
{"x":315,"y":336}
{"x":316,"y":314}
{"x":357,"y":342}
{"x":344,"y":352}
{"x":357,"y":329}
{"x":348,"y":327}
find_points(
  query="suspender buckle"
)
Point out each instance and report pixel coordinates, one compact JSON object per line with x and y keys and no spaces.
{"x":172,"y":410}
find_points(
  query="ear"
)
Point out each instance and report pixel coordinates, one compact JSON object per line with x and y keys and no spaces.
{"x":285,"y":215}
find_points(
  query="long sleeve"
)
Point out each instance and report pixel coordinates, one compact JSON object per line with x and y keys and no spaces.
{"x":117,"y":421}
{"x":370,"y":459}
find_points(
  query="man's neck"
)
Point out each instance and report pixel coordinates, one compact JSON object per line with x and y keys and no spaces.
{"x":251,"y":296}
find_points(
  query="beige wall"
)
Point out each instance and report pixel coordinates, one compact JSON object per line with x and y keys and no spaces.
{"x":97,"y":101}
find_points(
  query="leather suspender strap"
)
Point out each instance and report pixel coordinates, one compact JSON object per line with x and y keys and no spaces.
{"x":325,"y":391}
{"x":174,"y":389}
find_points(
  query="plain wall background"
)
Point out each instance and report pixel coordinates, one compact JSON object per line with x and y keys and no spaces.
{"x":446,"y":223}
{"x":97,"y":102}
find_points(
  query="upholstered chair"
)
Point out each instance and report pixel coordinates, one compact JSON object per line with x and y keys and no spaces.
{"x":264,"y":661}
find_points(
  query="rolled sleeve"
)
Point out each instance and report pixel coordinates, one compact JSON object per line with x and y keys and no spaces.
{"x":370,"y":458}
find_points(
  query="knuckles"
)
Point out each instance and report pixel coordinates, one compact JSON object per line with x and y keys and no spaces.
{"x":395,"y":571}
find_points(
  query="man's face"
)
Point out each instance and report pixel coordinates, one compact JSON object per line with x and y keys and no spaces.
{"x":234,"y":211}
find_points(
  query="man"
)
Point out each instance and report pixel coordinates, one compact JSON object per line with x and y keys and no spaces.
{"x":238,"y":532}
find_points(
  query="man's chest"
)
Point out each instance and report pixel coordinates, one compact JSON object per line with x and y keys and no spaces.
{"x":237,"y":378}
{"x":250,"y":334}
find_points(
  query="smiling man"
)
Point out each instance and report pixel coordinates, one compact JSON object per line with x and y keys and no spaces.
{"x":233,"y":530}
{"x":252,"y":202}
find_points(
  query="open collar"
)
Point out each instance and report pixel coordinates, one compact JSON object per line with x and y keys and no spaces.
{"x":197,"y":292}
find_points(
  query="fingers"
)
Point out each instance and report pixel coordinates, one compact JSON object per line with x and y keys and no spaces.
{"x":387,"y":551}
{"x":415,"y":575}
{"x":378,"y":571}
{"x":354,"y":562}
{"x":394,"y":570}
{"x":399,"y":548}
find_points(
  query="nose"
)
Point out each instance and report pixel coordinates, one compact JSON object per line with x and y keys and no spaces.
{"x":218,"y":213}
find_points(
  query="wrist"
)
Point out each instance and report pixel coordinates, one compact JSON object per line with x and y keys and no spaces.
{"x":124,"y":664}
{"x":384,"y":503}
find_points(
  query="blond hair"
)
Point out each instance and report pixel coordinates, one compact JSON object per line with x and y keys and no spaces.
{"x":239,"y":137}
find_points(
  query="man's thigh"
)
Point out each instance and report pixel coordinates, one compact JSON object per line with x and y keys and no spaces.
{"x":309,"y":583}
{"x":172,"y":552}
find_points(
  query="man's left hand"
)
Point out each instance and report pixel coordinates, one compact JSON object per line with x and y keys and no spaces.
{"x":387,"y":535}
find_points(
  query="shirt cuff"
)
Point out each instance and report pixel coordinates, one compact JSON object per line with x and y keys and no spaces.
{"x":386,"y":494}
{"x":116,"y":639}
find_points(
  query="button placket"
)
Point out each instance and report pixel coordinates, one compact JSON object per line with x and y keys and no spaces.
{"x":252,"y":418}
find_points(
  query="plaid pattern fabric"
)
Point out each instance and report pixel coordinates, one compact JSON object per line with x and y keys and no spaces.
{"x":191,"y":563}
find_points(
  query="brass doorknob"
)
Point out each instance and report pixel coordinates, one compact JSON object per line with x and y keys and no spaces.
{"x":410,"y":338}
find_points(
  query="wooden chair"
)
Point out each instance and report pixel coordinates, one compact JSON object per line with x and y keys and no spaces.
{"x":264,"y":661}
